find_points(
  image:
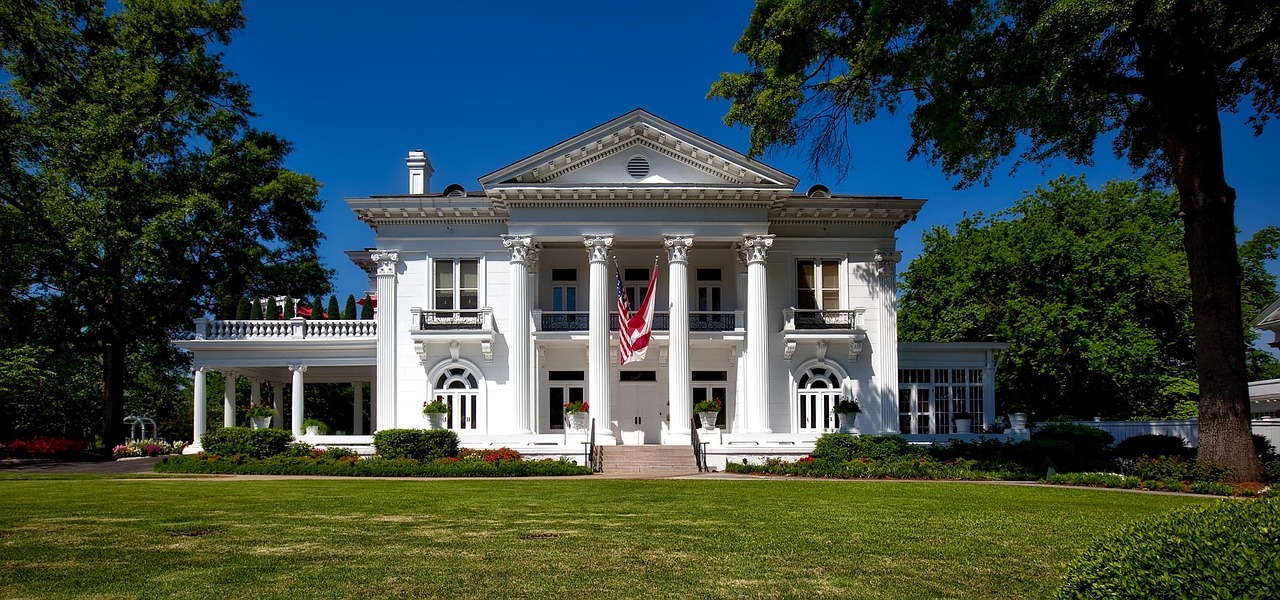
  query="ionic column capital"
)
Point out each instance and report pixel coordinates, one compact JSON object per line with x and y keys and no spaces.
{"x":520,"y":247}
{"x":887,"y":260}
{"x":677,"y":247}
{"x":386,"y":260}
{"x":755,"y":248}
{"x":297,"y":368}
{"x":598,"y":247}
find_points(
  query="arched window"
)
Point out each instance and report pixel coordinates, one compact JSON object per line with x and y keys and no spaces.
{"x":458,"y":387}
{"x":818,"y":388}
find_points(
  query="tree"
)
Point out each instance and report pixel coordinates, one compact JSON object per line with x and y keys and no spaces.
{"x":130,"y":162}
{"x":349,"y":311}
{"x":1089,"y":288}
{"x":332,"y":308}
{"x":366,"y":307}
{"x":984,"y":80}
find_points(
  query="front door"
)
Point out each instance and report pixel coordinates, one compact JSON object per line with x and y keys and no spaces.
{"x":640,"y":412}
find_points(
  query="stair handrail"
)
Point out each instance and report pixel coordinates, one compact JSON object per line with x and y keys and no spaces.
{"x":595,"y":455}
{"x":699,"y":449}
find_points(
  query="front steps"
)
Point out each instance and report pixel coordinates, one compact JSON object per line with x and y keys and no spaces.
{"x":648,"y":460}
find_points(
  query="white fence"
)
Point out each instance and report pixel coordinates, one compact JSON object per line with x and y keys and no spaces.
{"x":295,"y":328}
{"x":1188,"y":430}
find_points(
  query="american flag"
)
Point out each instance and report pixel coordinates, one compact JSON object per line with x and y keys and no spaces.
{"x":634,"y":329}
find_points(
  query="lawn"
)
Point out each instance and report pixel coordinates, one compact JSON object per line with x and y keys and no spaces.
{"x":199,"y":539}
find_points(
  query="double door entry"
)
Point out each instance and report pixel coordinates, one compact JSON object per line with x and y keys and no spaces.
{"x":641,"y":408}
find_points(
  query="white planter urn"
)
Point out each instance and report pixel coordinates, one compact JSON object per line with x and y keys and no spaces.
{"x":313,"y":430}
{"x":576,"y":420}
{"x":436,"y":420}
{"x":708,"y":419}
{"x":1018,"y":421}
{"x":964,"y":425}
{"x":260,"y":422}
{"x":848,"y":422}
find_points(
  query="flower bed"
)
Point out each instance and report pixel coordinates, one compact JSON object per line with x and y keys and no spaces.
{"x":137,"y":448}
{"x":352,"y":466}
{"x":43,"y":447}
{"x":901,"y":467}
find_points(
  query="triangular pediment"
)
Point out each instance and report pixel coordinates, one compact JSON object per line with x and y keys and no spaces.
{"x":638,"y":150}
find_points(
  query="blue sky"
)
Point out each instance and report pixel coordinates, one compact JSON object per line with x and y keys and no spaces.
{"x":479,"y":85}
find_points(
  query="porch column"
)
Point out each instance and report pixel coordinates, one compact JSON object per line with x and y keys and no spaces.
{"x":255,"y":390}
{"x":756,"y":248}
{"x":989,"y":390}
{"x":199,"y":406}
{"x":228,"y":399}
{"x":518,"y":338}
{"x":357,"y":408}
{"x":886,"y":361}
{"x":679,"y":376}
{"x":296,"y":408}
{"x":277,"y":403}
{"x":385,"y":318}
{"x":598,"y":336}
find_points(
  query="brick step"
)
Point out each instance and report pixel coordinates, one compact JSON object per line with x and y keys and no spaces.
{"x":648,"y":459}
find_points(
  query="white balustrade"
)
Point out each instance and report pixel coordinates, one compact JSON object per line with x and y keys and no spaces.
{"x":283,"y":330}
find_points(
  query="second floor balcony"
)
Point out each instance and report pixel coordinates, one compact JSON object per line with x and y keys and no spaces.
{"x":547,"y":320}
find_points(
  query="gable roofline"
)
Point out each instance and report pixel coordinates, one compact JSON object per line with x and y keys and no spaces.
{"x":1269,"y":319}
{"x":639,"y":126}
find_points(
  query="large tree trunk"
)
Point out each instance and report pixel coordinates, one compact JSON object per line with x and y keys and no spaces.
{"x":1193,"y":145}
{"x":113,"y":430}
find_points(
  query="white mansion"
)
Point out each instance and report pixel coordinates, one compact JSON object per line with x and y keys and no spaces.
{"x":502,"y":300}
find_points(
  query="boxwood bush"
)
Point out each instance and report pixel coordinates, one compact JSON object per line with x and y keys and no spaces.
{"x":1078,"y":447}
{"x":418,"y":444}
{"x":1221,"y":550}
{"x":351,"y":466}
{"x":844,"y":447}
{"x":1153,"y":444}
{"x":258,"y":443}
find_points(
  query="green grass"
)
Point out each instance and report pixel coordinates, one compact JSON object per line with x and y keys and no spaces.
{"x":224,"y":538}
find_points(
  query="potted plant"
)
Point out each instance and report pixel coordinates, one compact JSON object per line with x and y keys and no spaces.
{"x":576,"y":414}
{"x":963,"y":421}
{"x":315,"y":427}
{"x":1018,"y":417}
{"x":847,"y":410}
{"x":259,"y":415}
{"x":436,"y":412}
{"x":708,"y":412}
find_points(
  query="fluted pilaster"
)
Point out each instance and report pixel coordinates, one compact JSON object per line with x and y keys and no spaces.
{"x":385,"y":316}
{"x":518,"y":341}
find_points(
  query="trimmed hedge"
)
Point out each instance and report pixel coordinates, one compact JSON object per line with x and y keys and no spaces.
{"x":1223,"y":550}
{"x":1068,"y":447}
{"x":1153,"y":444}
{"x":898,"y":467}
{"x":257,"y":443}
{"x":844,"y":447}
{"x":417,"y":444}
{"x":371,"y":467}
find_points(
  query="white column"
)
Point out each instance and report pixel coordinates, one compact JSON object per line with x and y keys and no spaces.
{"x":228,"y":399}
{"x":357,"y":408}
{"x":989,"y":390}
{"x":277,"y":403}
{"x":373,"y":406}
{"x":385,"y":317}
{"x":887,"y":354}
{"x":756,"y":248}
{"x":598,"y":337}
{"x":679,"y":395}
{"x":199,"y":406}
{"x":296,"y":389}
{"x":518,"y":339}
{"x":255,"y":390}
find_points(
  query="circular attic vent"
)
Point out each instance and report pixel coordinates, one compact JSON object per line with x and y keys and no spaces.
{"x":819,"y":191}
{"x":455,"y":191}
{"x":638,"y":167}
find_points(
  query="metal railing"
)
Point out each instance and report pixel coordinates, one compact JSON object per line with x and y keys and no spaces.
{"x":439,"y":320}
{"x":595,"y":454}
{"x":581,"y":320}
{"x":699,"y":447}
{"x":799,"y":318}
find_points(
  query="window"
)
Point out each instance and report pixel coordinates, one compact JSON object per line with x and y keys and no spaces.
{"x":818,"y":389}
{"x":457,"y":284}
{"x":564,"y":290}
{"x":635,"y":283}
{"x":566,"y":387}
{"x":709,"y":293}
{"x":817,"y":284}
{"x":929,"y":399}
{"x":459,"y":389}
{"x":710,"y":385}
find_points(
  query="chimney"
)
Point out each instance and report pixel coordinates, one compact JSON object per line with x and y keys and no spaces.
{"x":419,"y":172}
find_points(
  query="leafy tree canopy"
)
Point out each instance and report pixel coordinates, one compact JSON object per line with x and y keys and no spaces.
{"x":1090,"y":289}
{"x":987,"y":79}
{"x":135,"y":194}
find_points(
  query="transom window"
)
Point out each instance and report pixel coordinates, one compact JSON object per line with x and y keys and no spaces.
{"x":817,"y":284}
{"x":457,"y":284}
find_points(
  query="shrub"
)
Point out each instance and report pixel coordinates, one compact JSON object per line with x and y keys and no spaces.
{"x":1153,"y":444}
{"x":895,"y":467}
{"x":258,"y":443}
{"x":45,"y":447}
{"x":844,"y":447}
{"x":1188,"y":471}
{"x":372,"y":467}
{"x":338,"y":453}
{"x":1089,"y":447}
{"x":297,"y":449}
{"x":1222,"y":550}
{"x":418,"y":444}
